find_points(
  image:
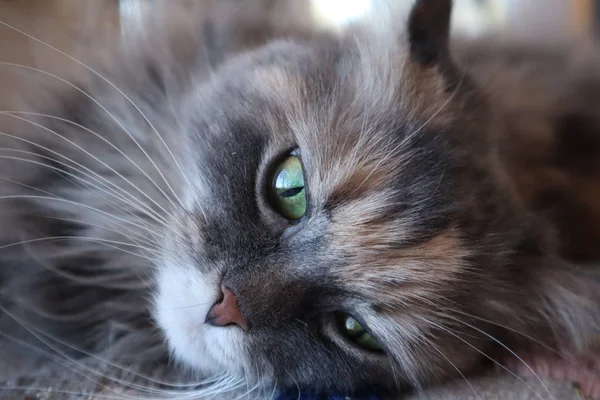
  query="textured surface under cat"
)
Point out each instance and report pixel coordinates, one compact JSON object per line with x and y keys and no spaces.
{"x":442,"y":246}
{"x":23,"y":377}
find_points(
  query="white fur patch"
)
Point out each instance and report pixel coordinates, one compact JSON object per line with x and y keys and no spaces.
{"x":184,"y":297}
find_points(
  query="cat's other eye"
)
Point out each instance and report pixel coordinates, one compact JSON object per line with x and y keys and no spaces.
{"x":356,"y":332}
{"x":288,"y":194}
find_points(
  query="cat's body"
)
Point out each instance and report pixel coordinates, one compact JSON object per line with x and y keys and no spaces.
{"x":428,"y":187}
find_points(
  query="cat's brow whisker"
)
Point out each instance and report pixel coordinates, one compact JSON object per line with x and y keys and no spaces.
{"x":95,"y":159}
{"x":428,"y":321}
{"x":122,"y":94}
{"x":26,"y":67}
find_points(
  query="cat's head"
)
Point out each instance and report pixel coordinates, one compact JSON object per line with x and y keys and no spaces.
{"x":348,"y":222}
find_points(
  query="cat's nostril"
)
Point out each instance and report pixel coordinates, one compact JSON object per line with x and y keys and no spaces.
{"x":226,"y":311}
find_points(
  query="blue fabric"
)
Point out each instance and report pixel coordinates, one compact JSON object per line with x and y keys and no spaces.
{"x":307,"y":395}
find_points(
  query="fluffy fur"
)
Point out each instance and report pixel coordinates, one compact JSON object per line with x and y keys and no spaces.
{"x":135,"y":192}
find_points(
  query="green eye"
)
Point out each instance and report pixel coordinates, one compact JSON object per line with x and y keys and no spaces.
{"x":288,"y":193}
{"x":357,"y":333}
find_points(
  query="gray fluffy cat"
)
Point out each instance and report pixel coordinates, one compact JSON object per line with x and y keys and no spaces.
{"x":300,"y":208}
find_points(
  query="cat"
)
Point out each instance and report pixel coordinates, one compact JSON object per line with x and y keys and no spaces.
{"x":382,"y":207}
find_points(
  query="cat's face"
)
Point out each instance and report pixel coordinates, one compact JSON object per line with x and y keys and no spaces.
{"x":345,"y":219}
{"x":370,"y":232}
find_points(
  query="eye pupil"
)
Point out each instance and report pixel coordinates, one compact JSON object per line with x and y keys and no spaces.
{"x":291,"y":192}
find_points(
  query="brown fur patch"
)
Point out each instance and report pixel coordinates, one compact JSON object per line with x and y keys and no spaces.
{"x":368,"y":239}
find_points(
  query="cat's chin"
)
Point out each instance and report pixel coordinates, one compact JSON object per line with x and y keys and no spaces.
{"x":183,"y":299}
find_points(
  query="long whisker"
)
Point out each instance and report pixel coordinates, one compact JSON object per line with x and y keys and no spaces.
{"x":38,"y":334}
{"x":68,"y":364}
{"x":84,"y":238}
{"x":111,"y":192}
{"x":505,"y":347}
{"x":110,"y":203}
{"x":93,"y":157}
{"x":486,"y":356}
{"x":192,"y":306}
{"x":75,"y":203}
{"x":65,"y":392}
{"x":26,"y":67}
{"x":137,"y":237}
{"x":77,"y":367}
{"x":33,"y":331}
{"x":562,"y":355}
{"x":121,"y":93}
{"x":437,"y":349}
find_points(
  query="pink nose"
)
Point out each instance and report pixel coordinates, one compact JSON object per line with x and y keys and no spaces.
{"x":226,"y":312}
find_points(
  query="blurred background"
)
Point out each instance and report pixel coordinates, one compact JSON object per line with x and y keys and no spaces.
{"x":534,"y":18}
{"x":81,"y":24}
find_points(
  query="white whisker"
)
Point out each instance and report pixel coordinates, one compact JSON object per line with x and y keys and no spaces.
{"x":121,"y":93}
{"x":486,"y":356}
{"x":437,"y":349}
{"x":136,"y":239}
{"x":26,"y":67}
{"x":71,"y":365}
{"x":37,"y":334}
{"x":65,"y":392}
{"x":507,"y":348}
{"x":108,"y":190}
{"x":564,"y":356}
{"x":75,"y":203}
{"x":95,"y":159}
{"x":110,"y":243}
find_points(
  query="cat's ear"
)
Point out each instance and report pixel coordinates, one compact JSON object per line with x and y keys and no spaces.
{"x":429,"y":31}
